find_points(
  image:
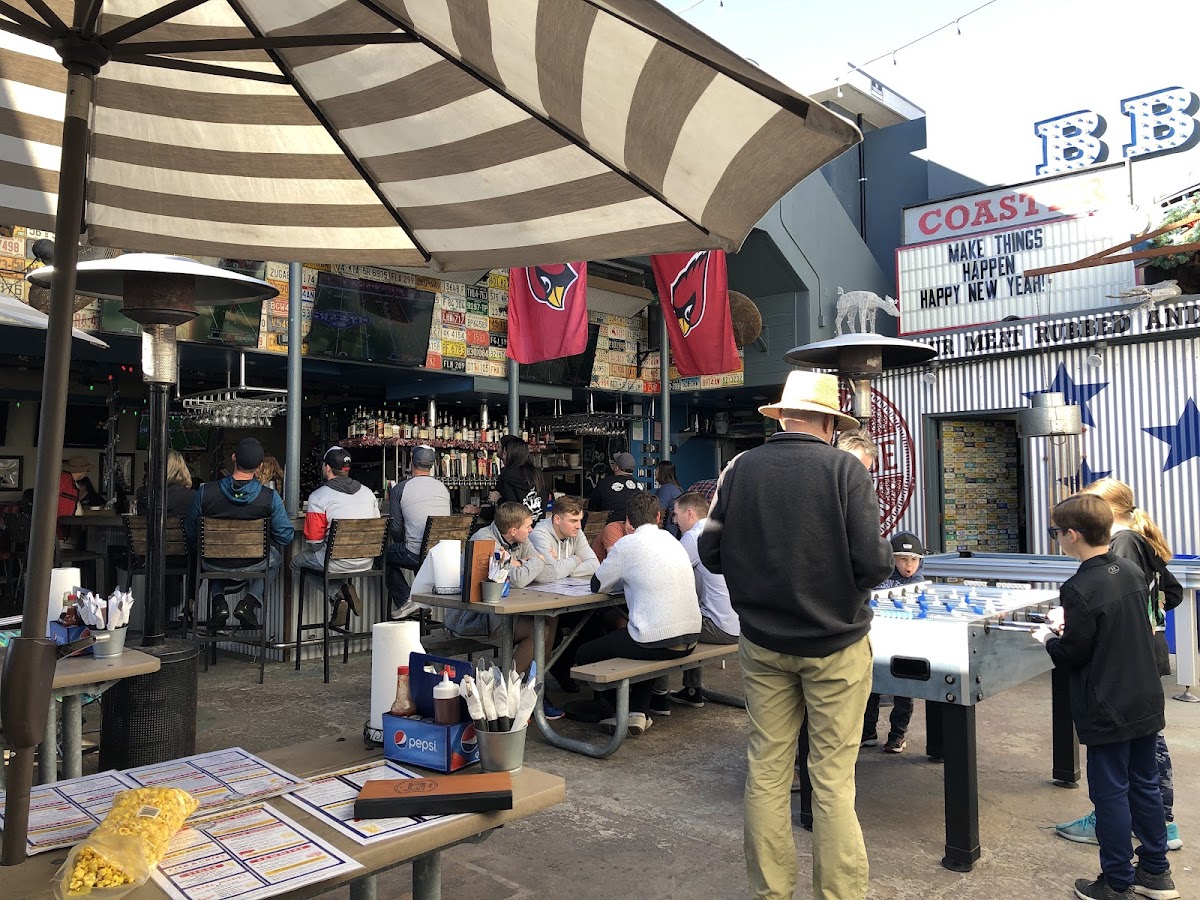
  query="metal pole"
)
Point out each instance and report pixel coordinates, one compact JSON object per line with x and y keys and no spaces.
{"x":156,"y":511}
{"x":664,"y":389}
{"x":295,"y":371}
{"x":514,"y":397}
{"x":51,"y":425}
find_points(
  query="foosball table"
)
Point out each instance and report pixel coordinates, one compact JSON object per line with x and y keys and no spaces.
{"x":953,"y":647}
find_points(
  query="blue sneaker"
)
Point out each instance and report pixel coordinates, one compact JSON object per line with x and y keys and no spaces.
{"x":1082,"y":831}
{"x":1174,"y":841}
{"x":552,"y":712}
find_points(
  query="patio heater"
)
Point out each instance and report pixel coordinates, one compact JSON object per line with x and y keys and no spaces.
{"x":161,"y":292}
{"x":859,"y":358}
{"x":1061,"y":424}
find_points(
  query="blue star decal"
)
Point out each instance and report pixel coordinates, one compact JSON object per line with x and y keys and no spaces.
{"x":1085,"y":476}
{"x":1183,"y":437}
{"x":1073,"y":392}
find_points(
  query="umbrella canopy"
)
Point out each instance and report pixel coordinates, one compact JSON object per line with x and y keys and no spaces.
{"x":458,"y":135}
{"x":14,"y":312}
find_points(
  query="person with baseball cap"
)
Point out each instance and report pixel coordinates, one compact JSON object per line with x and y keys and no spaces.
{"x":795,"y":532}
{"x":613,"y":492}
{"x":908,"y":555}
{"x":239,"y":495}
{"x":338,"y":497}
{"x":410,"y":505}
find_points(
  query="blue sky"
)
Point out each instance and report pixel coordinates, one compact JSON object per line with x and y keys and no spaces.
{"x":1015,"y":62}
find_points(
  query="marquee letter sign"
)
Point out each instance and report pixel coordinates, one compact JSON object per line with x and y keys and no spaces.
{"x":1160,"y":121}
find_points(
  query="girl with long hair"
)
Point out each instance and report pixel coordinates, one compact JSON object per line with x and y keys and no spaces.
{"x":520,"y":481}
{"x":668,"y":489}
{"x":1136,"y":537}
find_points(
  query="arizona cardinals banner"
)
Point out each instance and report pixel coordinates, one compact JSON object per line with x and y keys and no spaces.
{"x":547,"y":312}
{"x":694,"y":291}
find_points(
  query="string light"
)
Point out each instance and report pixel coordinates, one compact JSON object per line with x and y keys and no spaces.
{"x":892,"y":53}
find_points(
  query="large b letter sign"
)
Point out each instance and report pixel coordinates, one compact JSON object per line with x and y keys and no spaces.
{"x":1160,"y":121}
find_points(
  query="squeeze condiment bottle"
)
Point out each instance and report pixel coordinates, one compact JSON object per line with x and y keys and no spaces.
{"x":445,"y":701}
{"x":403,"y":705}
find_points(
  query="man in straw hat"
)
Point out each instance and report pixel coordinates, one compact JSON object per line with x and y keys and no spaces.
{"x":795,"y":532}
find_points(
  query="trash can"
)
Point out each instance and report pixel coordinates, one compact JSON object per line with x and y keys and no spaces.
{"x":152,"y":718}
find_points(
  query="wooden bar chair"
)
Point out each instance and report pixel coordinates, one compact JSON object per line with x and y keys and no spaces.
{"x":455,"y":527}
{"x":175,"y":549}
{"x":347,"y":539}
{"x":225,"y":539}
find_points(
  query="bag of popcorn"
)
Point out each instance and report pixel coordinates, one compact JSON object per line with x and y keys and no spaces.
{"x":120,"y":854}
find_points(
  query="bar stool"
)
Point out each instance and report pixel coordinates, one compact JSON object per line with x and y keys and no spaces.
{"x":347,"y":539}
{"x":221,"y":540}
{"x":175,"y":548}
{"x":455,"y":527}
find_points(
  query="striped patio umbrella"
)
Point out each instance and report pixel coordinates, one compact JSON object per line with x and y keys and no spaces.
{"x":454,"y":134}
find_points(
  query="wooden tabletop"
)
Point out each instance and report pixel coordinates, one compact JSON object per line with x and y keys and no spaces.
{"x":521,"y":602}
{"x":101,"y":518}
{"x":533,"y":791}
{"x":77,"y":671}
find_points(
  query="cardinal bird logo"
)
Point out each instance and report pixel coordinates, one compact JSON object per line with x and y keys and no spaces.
{"x":689,"y":292}
{"x":553,"y":285}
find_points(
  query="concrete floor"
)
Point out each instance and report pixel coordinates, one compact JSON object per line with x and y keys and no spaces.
{"x":663,"y":817}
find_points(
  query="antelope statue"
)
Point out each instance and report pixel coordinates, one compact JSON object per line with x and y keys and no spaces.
{"x":866,"y":304}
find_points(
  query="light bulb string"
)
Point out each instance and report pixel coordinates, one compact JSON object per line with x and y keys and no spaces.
{"x":955,"y":23}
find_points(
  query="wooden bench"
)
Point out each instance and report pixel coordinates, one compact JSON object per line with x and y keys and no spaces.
{"x":451,"y":645}
{"x":621,"y":672}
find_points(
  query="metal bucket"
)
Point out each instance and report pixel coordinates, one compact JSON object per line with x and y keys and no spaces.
{"x":114,"y":646}
{"x":501,"y":751}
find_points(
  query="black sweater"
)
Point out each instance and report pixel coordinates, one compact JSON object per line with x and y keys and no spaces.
{"x":795,"y":532}
{"x":1116,"y":694}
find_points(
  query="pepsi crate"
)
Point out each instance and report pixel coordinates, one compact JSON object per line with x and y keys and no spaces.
{"x":418,"y":740}
{"x":66,"y":634}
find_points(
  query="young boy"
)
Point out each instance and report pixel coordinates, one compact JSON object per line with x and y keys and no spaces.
{"x":907,"y":554}
{"x":1103,"y":638}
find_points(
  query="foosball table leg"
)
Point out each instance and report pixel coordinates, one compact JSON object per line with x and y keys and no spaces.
{"x":1063,"y":741}
{"x":806,"y":813}
{"x":961,"y":786}
{"x":933,"y":731}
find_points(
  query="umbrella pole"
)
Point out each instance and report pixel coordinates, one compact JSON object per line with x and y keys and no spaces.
{"x":28,"y":655}
{"x":295,"y":370}
{"x":514,"y":397}
{"x":156,"y":506}
{"x":664,"y":388}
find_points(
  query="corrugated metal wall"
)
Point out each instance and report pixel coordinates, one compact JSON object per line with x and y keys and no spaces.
{"x":1138,"y":386}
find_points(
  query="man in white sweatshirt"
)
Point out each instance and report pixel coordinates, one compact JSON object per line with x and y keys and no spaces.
{"x":654,"y":571}
{"x":561,"y":542}
{"x":338,"y":497}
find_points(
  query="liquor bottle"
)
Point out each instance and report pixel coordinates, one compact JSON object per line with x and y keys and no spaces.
{"x":458,"y":431}
{"x":525,"y":431}
{"x":405,"y":427}
{"x":422,"y":430}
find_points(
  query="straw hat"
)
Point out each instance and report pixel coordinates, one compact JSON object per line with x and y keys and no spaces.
{"x":813,"y":392}
{"x":77,"y":465}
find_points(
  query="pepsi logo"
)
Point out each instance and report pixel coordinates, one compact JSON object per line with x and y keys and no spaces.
{"x":468,"y":743}
{"x":400,"y":738}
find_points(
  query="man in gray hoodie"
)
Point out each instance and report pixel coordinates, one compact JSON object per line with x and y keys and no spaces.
{"x":561,"y":542}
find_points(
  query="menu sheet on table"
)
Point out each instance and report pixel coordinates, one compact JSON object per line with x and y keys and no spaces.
{"x":330,"y":798}
{"x":569,"y":587}
{"x":63,"y":813}
{"x":250,"y":853}
{"x":218,"y":779}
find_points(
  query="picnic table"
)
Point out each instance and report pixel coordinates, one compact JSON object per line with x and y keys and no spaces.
{"x":541,"y":605}
{"x":533,"y":791}
{"x":74,"y":677}
{"x":544,"y":602}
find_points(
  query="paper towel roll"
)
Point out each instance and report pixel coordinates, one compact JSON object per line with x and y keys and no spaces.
{"x":391,"y":642}
{"x":62,"y":582}
{"x":447,"y":566}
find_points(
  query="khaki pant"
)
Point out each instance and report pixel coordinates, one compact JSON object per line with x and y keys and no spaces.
{"x":834,"y":690}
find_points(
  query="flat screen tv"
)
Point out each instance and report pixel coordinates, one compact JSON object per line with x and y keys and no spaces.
{"x":569,"y":371}
{"x":86,"y":426}
{"x":370,"y":320}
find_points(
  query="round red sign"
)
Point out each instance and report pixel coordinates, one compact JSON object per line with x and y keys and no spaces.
{"x":894,"y":471}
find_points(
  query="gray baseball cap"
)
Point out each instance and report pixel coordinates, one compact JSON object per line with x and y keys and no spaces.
{"x":424,"y":457}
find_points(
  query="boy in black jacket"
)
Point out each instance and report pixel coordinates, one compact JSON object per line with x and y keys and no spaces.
{"x":1104,"y":639}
